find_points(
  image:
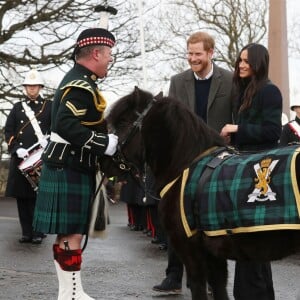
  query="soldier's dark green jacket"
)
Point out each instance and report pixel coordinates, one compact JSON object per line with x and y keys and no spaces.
{"x":78,"y":136}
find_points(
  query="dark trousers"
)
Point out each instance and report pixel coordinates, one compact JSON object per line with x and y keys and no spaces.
{"x":175,"y":266}
{"x":253,"y":280}
{"x":158,"y":229}
{"x":26,"y":210}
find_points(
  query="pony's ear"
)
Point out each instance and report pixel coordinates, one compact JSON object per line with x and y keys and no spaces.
{"x":159,"y":95}
{"x":136,"y":91}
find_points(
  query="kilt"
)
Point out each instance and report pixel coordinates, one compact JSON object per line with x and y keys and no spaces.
{"x":63,"y":200}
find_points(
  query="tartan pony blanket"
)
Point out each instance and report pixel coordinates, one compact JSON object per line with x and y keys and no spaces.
{"x":243,"y":193}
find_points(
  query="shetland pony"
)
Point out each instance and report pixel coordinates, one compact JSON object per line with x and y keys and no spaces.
{"x":170,"y":139}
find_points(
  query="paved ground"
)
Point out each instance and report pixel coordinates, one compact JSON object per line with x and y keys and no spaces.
{"x":123,"y":266}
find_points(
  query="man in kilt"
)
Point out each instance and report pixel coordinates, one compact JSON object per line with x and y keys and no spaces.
{"x":71,"y":159}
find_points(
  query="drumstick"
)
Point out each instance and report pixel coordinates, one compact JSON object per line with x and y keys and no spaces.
{"x":36,"y":144}
{"x":32,"y":147}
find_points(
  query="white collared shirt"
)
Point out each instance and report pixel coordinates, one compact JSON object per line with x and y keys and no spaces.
{"x":210,"y":73}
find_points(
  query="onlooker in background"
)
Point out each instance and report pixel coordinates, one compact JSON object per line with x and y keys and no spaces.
{"x":27,"y":124}
{"x":291,"y":131}
{"x":258,"y":127}
{"x":152,"y":200}
{"x":132,"y":194}
{"x":208,"y":91}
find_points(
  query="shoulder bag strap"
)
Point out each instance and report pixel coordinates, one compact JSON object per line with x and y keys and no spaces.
{"x":32,"y":119}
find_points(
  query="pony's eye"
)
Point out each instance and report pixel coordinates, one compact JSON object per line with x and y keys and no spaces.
{"x":124,"y":124}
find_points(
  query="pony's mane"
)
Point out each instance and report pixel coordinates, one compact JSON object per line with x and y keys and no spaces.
{"x":177,"y":132}
{"x":172,"y":134}
{"x":123,"y":109}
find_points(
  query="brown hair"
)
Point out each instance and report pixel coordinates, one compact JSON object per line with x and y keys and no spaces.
{"x":200,"y":36}
{"x":258,"y":59}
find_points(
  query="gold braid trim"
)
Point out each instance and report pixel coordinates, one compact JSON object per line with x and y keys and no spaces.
{"x":101,"y":103}
{"x":295,"y":182}
{"x":99,"y":100}
{"x":10,"y":140}
{"x":65,"y":93}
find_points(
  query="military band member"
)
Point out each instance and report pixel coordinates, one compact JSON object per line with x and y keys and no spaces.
{"x":72,"y":157}
{"x":27,"y":124}
{"x":291,"y":131}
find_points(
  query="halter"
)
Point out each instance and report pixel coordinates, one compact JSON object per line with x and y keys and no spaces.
{"x":119,"y":157}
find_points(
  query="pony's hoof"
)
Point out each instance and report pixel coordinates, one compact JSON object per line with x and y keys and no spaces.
{"x":168,"y":286}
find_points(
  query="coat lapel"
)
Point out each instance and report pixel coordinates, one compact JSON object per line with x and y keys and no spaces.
{"x":215,"y":84}
{"x":189,"y":86}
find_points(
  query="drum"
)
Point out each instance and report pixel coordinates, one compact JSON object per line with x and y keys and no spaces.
{"x":31,"y":167}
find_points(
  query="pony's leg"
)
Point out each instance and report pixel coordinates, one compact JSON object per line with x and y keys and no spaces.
{"x":197,"y":284}
{"x":198,"y":290}
{"x":197,"y":276}
{"x":217,"y":277}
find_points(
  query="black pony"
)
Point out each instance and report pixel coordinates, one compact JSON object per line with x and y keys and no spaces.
{"x":164,"y":134}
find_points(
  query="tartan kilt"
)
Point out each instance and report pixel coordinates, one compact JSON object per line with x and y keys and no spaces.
{"x":63,"y":201}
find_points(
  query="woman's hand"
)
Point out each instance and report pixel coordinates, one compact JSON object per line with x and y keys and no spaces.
{"x":227,"y":130}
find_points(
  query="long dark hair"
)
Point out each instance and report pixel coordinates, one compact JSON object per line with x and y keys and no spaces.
{"x":258,"y":59}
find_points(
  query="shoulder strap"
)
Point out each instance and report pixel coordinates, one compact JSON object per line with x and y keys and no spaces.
{"x":295,"y":127}
{"x":81,"y":84}
{"x":32,"y":119}
{"x":99,"y":101}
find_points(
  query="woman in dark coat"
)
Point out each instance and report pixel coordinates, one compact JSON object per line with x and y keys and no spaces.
{"x":258,"y":127}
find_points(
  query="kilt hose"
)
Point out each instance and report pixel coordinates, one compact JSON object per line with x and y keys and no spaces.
{"x":63,"y":201}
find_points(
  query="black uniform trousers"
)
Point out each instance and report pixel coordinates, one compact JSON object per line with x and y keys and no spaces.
{"x":26,"y":210}
{"x":175,"y":266}
{"x":253,"y":280}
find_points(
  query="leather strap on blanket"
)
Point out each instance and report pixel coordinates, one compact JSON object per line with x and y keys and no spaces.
{"x":184,"y":177}
{"x":221,"y":154}
{"x":170,"y":184}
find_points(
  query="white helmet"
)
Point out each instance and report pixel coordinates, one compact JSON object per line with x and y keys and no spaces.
{"x":33,"y":77}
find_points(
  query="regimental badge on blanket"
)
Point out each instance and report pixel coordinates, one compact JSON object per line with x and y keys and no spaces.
{"x":263,"y":191}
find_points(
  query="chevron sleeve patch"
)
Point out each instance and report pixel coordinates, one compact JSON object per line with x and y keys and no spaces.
{"x":76,"y":112}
